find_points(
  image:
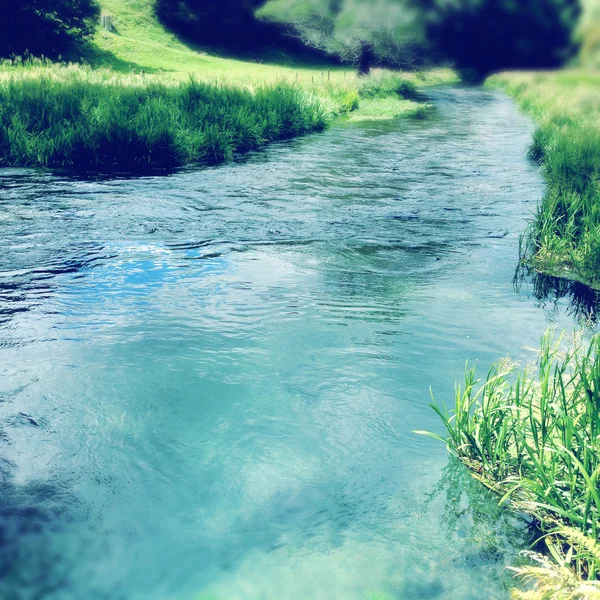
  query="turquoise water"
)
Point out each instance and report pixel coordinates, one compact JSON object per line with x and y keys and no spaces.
{"x":209,"y":380}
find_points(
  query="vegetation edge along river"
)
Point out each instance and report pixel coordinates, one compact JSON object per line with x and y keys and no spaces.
{"x":531,"y":433}
{"x":79,"y":117}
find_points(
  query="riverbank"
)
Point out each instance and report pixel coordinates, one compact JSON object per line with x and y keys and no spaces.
{"x":531,"y":436}
{"x":144,"y":99}
{"x":564,"y":237}
{"x":57,"y":115}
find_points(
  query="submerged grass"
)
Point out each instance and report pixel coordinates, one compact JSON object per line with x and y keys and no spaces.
{"x":564,"y":236}
{"x":75,"y":116}
{"x":533,"y":436}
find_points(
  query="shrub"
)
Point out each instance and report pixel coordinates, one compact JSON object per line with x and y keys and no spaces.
{"x":46,"y":26}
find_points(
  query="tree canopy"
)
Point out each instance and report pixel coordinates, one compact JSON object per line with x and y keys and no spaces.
{"x":210,"y":22}
{"x":359,"y":31}
{"x":477,"y":35}
{"x":46,"y":26}
{"x":227,"y":25}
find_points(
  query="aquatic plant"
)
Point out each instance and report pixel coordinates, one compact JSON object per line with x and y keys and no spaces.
{"x":533,"y":436}
{"x":563,"y":238}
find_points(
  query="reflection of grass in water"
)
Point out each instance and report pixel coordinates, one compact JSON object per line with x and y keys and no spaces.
{"x":463,"y":550}
{"x":471,"y":514}
{"x":584,"y":302}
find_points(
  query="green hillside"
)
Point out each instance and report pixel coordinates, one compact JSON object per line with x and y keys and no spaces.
{"x":141,"y":42}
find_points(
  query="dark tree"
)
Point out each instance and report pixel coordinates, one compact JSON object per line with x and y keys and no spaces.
{"x":483,"y":36}
{"x":229,"y":26}
{"x":211,"y":22}
{"x":46,"y":27}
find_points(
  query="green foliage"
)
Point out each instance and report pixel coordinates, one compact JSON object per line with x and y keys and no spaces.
{"x":46,"y":26}
{"x":533,"y":436}
{"x":93,"y":120}
{"x":386,"y":86}
{"x":362,"y":32}
{"x":564,"y":237}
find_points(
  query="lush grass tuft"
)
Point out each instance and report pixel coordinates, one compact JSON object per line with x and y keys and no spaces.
{"x":533,"y":436}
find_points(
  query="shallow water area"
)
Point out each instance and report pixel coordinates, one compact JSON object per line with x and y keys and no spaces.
{"x":209,"y":380}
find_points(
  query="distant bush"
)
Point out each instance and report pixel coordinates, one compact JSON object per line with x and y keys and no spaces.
{"x":45,"y":26}
{"x":484,"y":36}
{"x":62,"y":120}
{"x":383,"y":86}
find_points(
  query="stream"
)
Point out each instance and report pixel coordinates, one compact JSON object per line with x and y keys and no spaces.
{"x":209,"y":380}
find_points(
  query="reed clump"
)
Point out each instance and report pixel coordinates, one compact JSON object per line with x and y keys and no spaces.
{"x":67,"y":120}
{"x":532,"y":435}
{"x":563,"y":238}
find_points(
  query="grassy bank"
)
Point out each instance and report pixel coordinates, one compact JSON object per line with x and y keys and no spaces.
{"x":533,"y":436}
{"x":564,"y":237}
{"x":74,"y":116}
{"x":77,"y":117}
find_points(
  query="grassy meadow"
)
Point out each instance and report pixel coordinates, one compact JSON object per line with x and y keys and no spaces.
{"x":563,"y":238}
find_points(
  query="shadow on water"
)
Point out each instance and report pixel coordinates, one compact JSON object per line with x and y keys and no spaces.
{"x":23,"y":291}
{"x":30,"y":515}
{"x":583,"y":301}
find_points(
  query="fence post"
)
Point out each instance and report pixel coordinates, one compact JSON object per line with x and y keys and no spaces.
{"x":106,"y":21}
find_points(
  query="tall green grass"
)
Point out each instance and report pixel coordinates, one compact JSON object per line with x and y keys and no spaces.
{"x":564,"y":236}
{"x":75,"y":116}
{"x":533,"y":435}
{"x":71,"y":122}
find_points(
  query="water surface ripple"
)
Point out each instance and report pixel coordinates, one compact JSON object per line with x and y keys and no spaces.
{"x":208,"y":380}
